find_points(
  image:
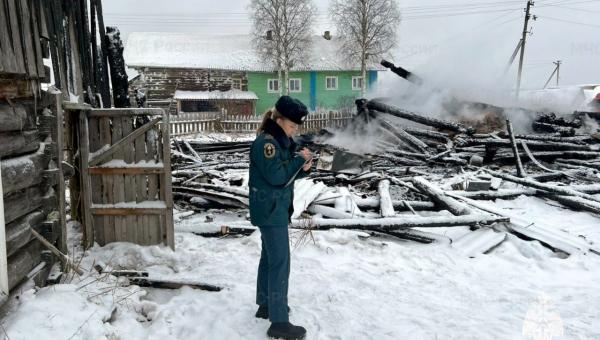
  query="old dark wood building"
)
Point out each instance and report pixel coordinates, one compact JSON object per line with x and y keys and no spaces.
{"x":58,"y":131}
{"x":160,"y":84}
{"x":31,"y":144}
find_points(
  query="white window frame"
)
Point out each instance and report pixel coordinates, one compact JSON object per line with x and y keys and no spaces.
{"x":336,"y":83}
{"x":235,"y":82}
{"x":356,"y":78}
{"x":270,"y":87}
{"x":299,"y":85}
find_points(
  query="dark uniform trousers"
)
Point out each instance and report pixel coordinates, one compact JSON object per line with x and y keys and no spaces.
{"x":274,"y":272}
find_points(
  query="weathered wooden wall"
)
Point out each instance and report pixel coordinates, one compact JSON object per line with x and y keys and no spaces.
{"x":31,"y":135}
{"x":161,"y":83}
{"x":30,"y":180}
{"x":21,"y":27}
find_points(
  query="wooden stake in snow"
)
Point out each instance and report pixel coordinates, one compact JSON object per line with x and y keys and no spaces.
{"x":64,"y":258}
{"x":513,"y":143}
{"x":385,"y":200}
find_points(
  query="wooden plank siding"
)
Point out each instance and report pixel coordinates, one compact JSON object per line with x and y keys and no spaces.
{"x":131,"y":200}
{"x":32,"y":140}
{"x":20,"y":46}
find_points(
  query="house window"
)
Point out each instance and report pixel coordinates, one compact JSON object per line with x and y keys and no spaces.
{"x":331,"y":83}
{"x":295,"y":85}
{"x":357,"y":83}
{"x":273,"y":85}
{"x":236,"y":84}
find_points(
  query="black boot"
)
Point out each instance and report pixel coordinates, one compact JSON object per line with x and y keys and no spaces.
{"x":285,"y":330}
{"x":263,"y":312}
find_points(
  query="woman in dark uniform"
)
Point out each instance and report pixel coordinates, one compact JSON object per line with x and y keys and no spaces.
{"x":274,"y":166}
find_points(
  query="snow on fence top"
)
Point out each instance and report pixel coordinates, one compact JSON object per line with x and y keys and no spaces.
{"x":215,"y":95}
{"x":224,"y":52}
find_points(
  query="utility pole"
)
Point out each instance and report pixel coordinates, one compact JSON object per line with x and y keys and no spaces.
{"x":530,"y":3}
{"x":556,"y":71}
{"x":557,"y":63}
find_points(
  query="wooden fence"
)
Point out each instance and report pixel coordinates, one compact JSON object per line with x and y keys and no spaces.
{"x":127,"y":177}
{"x":190,"y":123}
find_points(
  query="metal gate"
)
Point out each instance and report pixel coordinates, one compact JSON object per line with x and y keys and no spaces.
{"x":126,"y":180}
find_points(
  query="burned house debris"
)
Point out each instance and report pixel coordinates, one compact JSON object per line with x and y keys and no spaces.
{"x":436,"y":175}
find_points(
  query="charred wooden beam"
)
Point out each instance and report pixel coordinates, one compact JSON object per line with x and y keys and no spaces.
{"x":588,"y":164}
{"x":551,"y":118}
{"x":385,"y":200}
{"x":145,"y":281}
{"x":118,"y":74}
{"x":552,"y":137}
{"x":513,"y":144}
{"x":513,"y":193}
{"x":546,"y":156}
{"x":101,"y":60}
{"x":557,"y":190}
{"x":437,"y":123}
{"x":434,"y":135}
{"x":215,"y":196}
{"x":532,"y":144}
{"x":329,"y":212}
{"x":398,"y":223}
{"x":438,"y":196}
{"x":545,"y":127}
{"x":400,"y":205}
{"x":406,"y":137}
{"x":400,"y":143}
{"x":401,"y":72}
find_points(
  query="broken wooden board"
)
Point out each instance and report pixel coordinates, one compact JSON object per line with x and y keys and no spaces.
{"x":171,"y":284}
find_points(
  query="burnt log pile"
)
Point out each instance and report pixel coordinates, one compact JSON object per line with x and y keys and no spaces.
{"x":419,"y":173}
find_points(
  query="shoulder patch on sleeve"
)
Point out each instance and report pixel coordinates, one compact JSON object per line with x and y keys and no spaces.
{"x":269,"y":150}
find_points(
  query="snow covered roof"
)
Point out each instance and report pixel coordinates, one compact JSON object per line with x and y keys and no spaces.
{"x":215,"y":95}
{"x":223,"y":52}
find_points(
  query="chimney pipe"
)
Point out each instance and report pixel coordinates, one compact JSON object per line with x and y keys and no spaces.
{"x":327,"y":35}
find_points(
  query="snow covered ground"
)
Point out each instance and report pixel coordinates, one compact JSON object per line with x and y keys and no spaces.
{"x":342,"y":287}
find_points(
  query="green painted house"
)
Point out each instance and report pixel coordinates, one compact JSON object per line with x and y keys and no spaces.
{"x":198,"y":65}
{"x":317,"y":89}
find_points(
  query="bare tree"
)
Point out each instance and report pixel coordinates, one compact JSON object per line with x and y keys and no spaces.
{"x":367,"y":29}
{"x":282,"y":33}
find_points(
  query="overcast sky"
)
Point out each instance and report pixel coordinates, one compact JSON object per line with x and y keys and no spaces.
{"x":436,"y":38}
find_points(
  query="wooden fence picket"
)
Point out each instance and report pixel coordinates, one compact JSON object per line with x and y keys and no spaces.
{"x":189,"y":123}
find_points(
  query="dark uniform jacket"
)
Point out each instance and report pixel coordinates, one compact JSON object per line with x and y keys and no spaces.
{"x":273,"y":164}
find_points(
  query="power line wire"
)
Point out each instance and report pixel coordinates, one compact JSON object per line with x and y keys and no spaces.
{"x":570,"y":22}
